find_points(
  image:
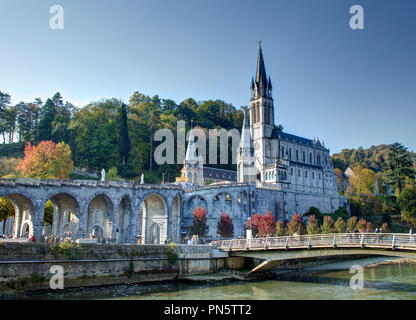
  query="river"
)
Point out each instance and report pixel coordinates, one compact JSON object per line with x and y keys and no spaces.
{"x":391,"y":280}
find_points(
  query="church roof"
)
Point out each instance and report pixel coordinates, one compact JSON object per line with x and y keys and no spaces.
{"x":220,"y":174}
{"x":277,"y":134}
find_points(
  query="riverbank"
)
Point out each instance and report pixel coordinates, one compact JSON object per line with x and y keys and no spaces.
{"x":384,"y":280}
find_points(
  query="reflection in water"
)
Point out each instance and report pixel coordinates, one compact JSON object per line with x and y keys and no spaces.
{"x":390,"y":281}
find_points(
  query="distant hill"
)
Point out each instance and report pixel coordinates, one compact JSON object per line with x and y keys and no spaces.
{"x":371,"y":158}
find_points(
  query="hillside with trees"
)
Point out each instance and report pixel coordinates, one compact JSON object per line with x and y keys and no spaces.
{"x":108,"y":133}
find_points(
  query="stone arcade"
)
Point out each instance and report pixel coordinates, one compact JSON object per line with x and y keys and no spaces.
{"x":276,"y":172}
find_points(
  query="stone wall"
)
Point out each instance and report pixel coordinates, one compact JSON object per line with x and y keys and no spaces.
{"x":27,"y":266}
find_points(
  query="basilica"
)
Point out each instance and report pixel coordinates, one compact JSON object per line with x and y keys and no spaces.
{"x":285,"y":173}
{"x":276,"y":171}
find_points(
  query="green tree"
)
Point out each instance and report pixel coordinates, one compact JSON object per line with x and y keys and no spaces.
{"x":398,"y":168}
{"x":43,"y":130}
{"x":6,"y":211}
{"x":48,"y":213}
{"x":407,"y":202}
{"x":124,"y":135}
{"x":315,"y":212}
{"x":112,"y":174}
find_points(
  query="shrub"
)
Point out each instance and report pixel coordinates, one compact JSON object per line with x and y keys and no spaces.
{"x":351,"y":223}
{"x":279,"y":229}
{"x":312,"y":227}
{"x":385,"y":227}
{"x":328,"y":225}
{"x":340,"y":226}
{"x":361,"y":224}
{"x":296,"y":225}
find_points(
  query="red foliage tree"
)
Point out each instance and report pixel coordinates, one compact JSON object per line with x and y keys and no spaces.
{"x":261,"y":225}
{"x":266,"y":225}
{"x":199,"y":226}
{"x":225,"y":226}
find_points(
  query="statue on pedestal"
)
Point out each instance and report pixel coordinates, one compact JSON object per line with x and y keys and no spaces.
{"x":103,"y":175}
{"x":142,"y":179}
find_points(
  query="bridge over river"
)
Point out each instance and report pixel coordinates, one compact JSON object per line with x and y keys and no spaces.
{"x":276,"y":250}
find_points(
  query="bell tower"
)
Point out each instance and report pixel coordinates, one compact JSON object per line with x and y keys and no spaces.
{"x":261,"y":112}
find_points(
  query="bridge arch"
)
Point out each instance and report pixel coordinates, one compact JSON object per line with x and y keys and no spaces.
{"x":153,"y":211}
{"x":66,"y":215}
{"x":124,"y":212}
{"x":175,"y":221}
{"x":100,"y":214}
{"x":223,"y":202}
{"x":24,"y":214}
{"x":194,"y":202}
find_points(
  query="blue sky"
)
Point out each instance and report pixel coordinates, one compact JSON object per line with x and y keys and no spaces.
{"x":348,"y":87}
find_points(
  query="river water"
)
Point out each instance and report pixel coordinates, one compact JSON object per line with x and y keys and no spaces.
{"x":384,"y":278}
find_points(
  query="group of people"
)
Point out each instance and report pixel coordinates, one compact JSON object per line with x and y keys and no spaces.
{"x":190,"y":240}
{"x":6,"y":236}
{"x":52,"y":238}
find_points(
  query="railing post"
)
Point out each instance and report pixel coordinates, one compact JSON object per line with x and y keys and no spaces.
{"x":248,"y":244}
{"x":287,"y":243}
{"x":309,"y":242}
{"x":265,"y":244}
{"x":393,"y":242}
{"x":362,"y":240}
{"x":333,"y":243}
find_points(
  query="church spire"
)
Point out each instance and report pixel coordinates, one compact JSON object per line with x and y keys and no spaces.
{"x":261,"y":83}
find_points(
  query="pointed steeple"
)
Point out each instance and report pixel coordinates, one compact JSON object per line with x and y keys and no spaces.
{"x":246,"y":143}
{"x":261,"y":70}
{"x":261,"y":84}
{"x":191,"y":150}
{"x":245,"y":158}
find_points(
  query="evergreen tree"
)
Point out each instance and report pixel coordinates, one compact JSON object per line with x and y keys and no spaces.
{"x":44,"y":128}
{"x":399,"y":167}
{"x":124,"y":148}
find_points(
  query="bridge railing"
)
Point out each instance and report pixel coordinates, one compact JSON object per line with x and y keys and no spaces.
{"x":376,"y":240}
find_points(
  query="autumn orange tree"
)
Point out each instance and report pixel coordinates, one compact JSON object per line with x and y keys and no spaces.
{"x":296,"y":225}
{"x":46,"y":160}
{"x":225,"y":227}
{"x":199,"y":226}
